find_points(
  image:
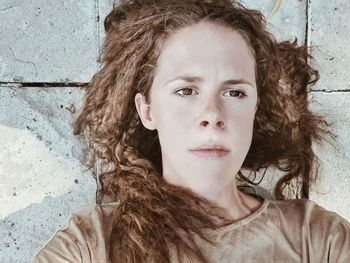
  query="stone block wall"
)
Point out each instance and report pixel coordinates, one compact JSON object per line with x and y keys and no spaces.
{"x":48,"y":50}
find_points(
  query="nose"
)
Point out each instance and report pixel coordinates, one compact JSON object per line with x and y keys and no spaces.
{"x":212,"y":116}
{"x":206,"y":123}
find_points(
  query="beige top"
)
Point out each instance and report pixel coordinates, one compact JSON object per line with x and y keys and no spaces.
{"x":278,"y":231}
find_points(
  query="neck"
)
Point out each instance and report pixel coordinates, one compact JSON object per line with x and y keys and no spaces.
{"x":237,"y":204}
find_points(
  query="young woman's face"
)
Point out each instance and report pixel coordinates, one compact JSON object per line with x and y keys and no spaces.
{"x":204,"y":93}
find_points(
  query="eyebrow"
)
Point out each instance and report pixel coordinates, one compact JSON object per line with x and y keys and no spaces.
{"x":195,"y":79}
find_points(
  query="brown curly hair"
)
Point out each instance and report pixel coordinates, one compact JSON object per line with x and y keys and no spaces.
{"x":125,"y":157}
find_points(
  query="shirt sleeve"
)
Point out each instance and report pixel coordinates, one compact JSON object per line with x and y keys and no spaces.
{"x":62,"y":247}
{"x":339,"y":241}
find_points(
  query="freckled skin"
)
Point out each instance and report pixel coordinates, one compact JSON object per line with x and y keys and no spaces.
{"x":210,"y":111}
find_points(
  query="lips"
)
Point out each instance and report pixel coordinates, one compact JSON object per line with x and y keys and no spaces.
{"x":211,"y":151}
{"x":210,"y":147}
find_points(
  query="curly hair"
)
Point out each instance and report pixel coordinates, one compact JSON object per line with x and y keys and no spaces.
{"x":125,"y":157}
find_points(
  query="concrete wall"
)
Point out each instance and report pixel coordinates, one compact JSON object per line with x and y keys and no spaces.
{"x":49,"y":41}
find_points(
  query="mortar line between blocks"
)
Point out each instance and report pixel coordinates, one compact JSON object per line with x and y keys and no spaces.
{"x":307,"y":40}
{"x":43,"y":84}
{"x":97,"y":21}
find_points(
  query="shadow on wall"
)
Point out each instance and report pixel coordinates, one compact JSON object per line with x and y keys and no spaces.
{"x":42,"y":180}
{"x":25,"y":231}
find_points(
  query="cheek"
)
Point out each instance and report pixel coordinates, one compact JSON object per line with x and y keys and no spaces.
{"x":243,"y":124}
{"x":247,"y":119}
{"x":171,"y":121}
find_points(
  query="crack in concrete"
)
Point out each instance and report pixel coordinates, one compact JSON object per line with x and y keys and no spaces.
{"x":330,"y":91}
{"x":23,"y":61}
{"x":98,"y":28}
{"x":307,"y":22}
{"x":7,"y":8}
{"x":12,"y":6}
{"x":43,"y":84}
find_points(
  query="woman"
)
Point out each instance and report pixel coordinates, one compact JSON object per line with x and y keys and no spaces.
{"x":189,"y":93}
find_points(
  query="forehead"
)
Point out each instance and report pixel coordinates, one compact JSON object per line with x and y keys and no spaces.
{"x":206,"y":44}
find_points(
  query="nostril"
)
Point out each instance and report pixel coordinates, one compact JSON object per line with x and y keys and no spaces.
{"x":220,"y":124}
{"x":205,"y":123}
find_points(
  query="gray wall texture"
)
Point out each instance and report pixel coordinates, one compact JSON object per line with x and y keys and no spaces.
{"x":57,"y":42}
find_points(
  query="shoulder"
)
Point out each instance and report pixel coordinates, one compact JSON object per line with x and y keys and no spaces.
{"x":305,"y":211}
{"x":92,"y":213}
{"x":324,"y":233}
{"x":83,"y":229}
{"x":89,"y":219}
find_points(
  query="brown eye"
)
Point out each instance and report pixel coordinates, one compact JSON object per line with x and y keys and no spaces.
{"x":237,"y":93}
{"x":185,"y":92}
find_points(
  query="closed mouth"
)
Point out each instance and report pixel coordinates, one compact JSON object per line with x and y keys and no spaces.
{"x":210,"y":152}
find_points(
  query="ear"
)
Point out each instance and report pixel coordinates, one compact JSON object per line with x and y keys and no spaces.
{"x":144,"y":111}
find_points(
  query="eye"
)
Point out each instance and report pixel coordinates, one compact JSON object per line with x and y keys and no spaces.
{"x":185,"y":92}
{"x":237,"y":93}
